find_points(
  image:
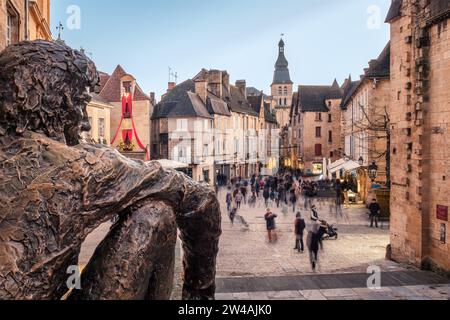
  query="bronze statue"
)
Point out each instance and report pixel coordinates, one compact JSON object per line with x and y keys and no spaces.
{"x":54,"y":191}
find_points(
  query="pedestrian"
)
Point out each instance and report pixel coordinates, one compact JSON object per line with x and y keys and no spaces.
{"x":270,"y":223}
{"x":266,"y":195}
{"x":229,"y":200}
{"x":235,"y":192}
{"x":314,"y":213}
{"x":238,"y":199}
{"x":374,"y":209}
{"x":276,"y":196}
{"x":244,"y":194}
{"x":233,"y":213}
{"x":272,"y":195}
{"x":312,"y":241}
{"x":293,"y":200}
{"x":300,"y":227}
{"x":252,"y":201}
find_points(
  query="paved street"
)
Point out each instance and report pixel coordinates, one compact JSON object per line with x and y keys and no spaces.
{"x":249,"y":267}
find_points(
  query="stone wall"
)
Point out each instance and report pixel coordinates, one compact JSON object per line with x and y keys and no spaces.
{"x":420,"y":116}
{"x":19,"y":7}
{"x":95,"y":113}
{"x":38,"y":26}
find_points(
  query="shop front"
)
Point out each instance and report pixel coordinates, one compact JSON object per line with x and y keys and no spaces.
{"x":353,"y":179}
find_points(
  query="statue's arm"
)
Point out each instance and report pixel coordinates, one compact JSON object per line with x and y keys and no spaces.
{"x":125,"y":183}
{"x":199,"y":221}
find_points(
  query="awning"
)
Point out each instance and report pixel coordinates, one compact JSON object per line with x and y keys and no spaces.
{"x":170,"y":164}
{"x":344,"y":165}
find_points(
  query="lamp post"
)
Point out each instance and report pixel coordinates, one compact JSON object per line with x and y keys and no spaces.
{"x":373,"y":171}
{"x":361,"y":161}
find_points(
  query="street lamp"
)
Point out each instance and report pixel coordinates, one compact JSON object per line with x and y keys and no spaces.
{"x":361,"y":161}
{"x":373,"y":171}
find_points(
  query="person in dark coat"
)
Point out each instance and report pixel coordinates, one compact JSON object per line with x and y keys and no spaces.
{"x":300,"y":227}
{"x":374,"y":209}
{"x":313,"y":243}
{"x":244,"y":193}
{"x":293,"y":199}
{"x":229,"y":200}
{"x":270,"y":223}
{"x":266,"y":195}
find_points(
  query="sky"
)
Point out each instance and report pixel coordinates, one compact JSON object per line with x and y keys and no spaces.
{"x":325,"y":39}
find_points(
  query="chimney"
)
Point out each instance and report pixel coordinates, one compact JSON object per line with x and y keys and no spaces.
{"x":215,"y":82}
{"x":170,"y":86}
{"x":152,"y":98}
{"x":201,"y":88}
{"x":242,"y":86}
{"x":226,"y":80}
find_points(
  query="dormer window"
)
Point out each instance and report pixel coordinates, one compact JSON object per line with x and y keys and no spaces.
{"x":126,"y":87}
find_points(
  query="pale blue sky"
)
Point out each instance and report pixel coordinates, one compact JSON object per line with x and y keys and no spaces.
{"x":325,"y":39}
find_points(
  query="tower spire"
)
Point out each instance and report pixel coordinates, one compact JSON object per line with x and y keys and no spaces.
{"x":282,"y":75}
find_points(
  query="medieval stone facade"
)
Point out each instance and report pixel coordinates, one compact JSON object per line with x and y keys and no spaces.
{"x":99,"y":113}
{"x":211,"y":125}
{"x":315,"y":128}
{"x":24,"y":20}
{"x":365,"y":130}
{"x":420,"y":125}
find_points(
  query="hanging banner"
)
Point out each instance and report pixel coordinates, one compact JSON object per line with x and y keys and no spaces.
{"x":442,"y":213}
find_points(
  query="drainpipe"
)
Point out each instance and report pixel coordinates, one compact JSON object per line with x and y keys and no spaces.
{"x":27,"y":13}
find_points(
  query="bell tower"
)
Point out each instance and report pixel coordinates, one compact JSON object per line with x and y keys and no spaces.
{"x":282,"y":87}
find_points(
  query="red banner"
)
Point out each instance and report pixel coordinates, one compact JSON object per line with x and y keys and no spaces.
{"x":442,"y":213}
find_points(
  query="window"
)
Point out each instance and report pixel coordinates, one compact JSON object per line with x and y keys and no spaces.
{"x":399,"y":95}
{"x":329,"y":104}
{"x":12,"y":25}
{"x":101,"y":128}
{"x":331,"y":154}
{"x":182,"y":125}
{"x":330,"y":136}
{"x":205,"y":150}
{"x":280,"y":91}
{"x":330,"y":118}
{"x":318,"y":116}
{"x":181,"y":152}
{"x":280,"y":103}
{"x":318,"y":132}
{"x":285,"y":91}
{"x":127,"y":114}
{"x":285,"y":102}
{"x":9,"y":27}
{"x":318,"y":150}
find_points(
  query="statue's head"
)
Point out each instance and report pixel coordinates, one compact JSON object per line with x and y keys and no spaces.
{"x":44,"y":88}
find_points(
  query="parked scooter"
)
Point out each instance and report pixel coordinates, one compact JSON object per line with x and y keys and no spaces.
{"x":331,"y":231}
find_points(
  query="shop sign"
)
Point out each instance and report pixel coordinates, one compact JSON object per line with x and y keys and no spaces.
{"x":442,"y":213}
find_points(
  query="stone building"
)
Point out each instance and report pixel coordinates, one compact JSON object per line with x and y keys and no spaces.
{"x":130,"y":113}
{"x":268,"y":136}
{"x":366,"y":122}
{"x":420,"y":125}
{"x":99,"y":113}
{"x":24,"y":20}
{"x":210,"y":124}
{"x":314,"y":128}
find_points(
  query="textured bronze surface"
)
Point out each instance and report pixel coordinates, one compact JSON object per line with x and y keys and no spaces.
{"x":54,"y":191}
